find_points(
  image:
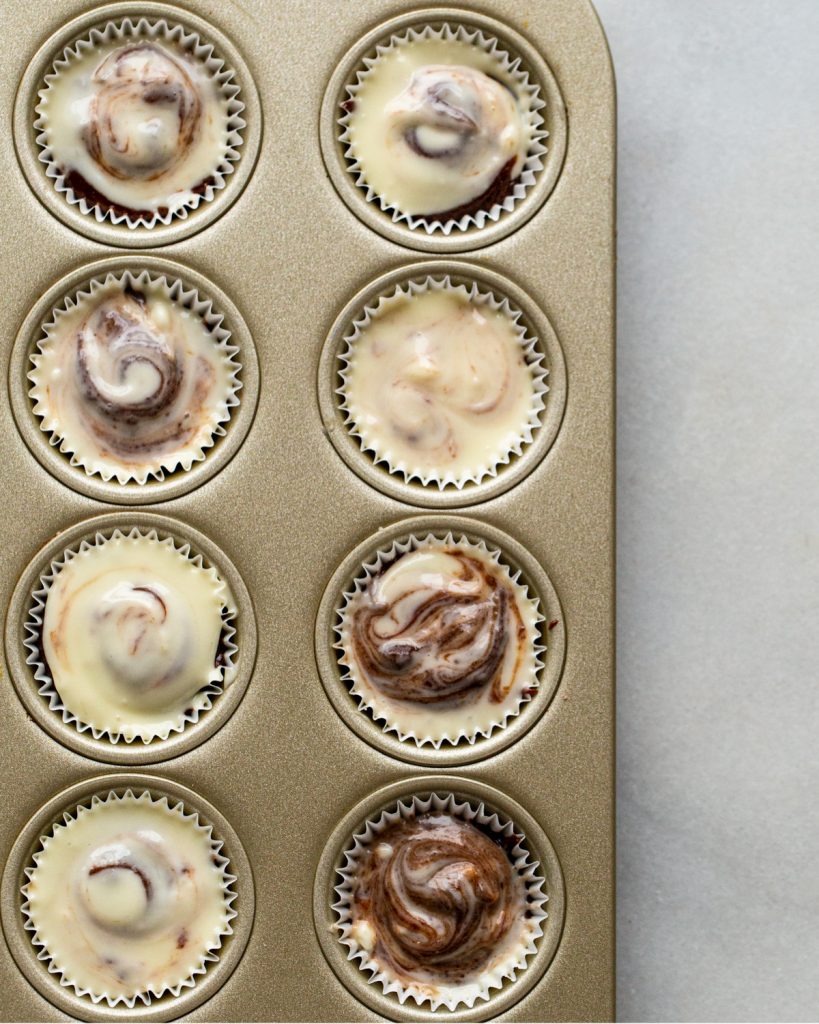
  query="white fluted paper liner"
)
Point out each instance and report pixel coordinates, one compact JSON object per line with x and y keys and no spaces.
{"x":182,"y":296}
{"x":155,"y":30}
{"x":219,"y":678}
{"x":500,"y":973}
{"x":368,"y":438}
{"x":220,"y":861}
{"x":396,"y":716}
{"x":532,"y":166}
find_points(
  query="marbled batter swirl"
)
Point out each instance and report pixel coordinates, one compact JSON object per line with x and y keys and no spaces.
{"x":440,"y":387}
{"x":439,"y":129}
{"x":441,"y":642}
{"x":127,"y":898}
{"x":435,"y":899}
{"x":132,"y":383}
{"x":139,"y":128}
{"x":131,"y":635}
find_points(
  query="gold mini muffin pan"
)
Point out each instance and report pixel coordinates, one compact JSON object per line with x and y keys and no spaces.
{"x":289,"y":248}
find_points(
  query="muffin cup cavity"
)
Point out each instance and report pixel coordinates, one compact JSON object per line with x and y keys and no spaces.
{"x":388,"y":713}
{"x":171,"y":474}
{"x":192,"y":206}
{"x":528,"y":952}
{"x":207,"y":710}
{"x":532,"y":354}
{"x":181,"y":296}
{"x":420,"y":485}
{"x":131,"y":31}
{"x":176,"y":810}
{"x":377,"y":718}
{"x":185,"y":809}
{"x":544,"y":116}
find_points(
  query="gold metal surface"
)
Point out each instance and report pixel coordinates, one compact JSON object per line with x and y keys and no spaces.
{"x":286,"y":510}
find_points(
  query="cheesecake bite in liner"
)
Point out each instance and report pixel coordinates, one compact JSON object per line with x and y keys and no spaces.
{"x":131,"y":637}
{"x":439,"y":901}
{"x":139,"y":121}
{"x":442,"y":383}
{"x":134,"y":377}
{"x":439,"y":640}
{"x":128,"y":898}
{"x":443,"y":128}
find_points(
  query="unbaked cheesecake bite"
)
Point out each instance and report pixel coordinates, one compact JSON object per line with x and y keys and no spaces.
{"x":439,"y":128}
{"x":133,"y":636}
{"x":128,"y":898}
{"x":131,"y":382}
{"x":440,"y":642}
{"x":135,"y":126}
{"x":442,"y":385}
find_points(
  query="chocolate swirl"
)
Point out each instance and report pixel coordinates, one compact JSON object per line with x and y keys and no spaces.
{"x":436,"y":627}
{"x":140,"y":392}
{"x":439,"y":896}
{"x":468,"y":122}
{"x":133,"y":635}
{"x":145,"y":115}
{"x":134,"y":886}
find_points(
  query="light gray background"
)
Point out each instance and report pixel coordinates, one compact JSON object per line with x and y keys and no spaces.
{"x":718,"y":549}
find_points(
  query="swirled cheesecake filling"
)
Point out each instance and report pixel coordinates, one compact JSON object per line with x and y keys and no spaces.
{"x":136,"y":128}
{"x":127,"y":898}
{"x":441,"y":643}
{"x":131,"y":633}
{"x":439,"y":386}
{"x":439,"y":127}
{"x":437,"y":902}
{"x":131,"y":383}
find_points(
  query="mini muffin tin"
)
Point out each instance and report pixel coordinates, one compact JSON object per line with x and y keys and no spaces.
{"x":286,"y":506}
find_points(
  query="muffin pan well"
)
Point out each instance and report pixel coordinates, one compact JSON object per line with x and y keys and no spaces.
{"x":289,"y":506}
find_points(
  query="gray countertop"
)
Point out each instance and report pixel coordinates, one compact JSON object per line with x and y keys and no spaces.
{"x":718,"y":548}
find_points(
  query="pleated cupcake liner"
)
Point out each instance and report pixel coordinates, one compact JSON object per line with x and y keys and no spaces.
{"x":125,"y":31}
{"x":219,"y":679}
{"x":508,"y":967}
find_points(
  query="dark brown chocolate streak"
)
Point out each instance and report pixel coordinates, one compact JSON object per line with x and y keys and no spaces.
{"x":496,"y":193}
{"x":153,"y":593}
{"x":123,"y":865}
{"x":443,"y":898}
{"x":167,"y":83}
{"x":442,"y":625}
{"x":117,"y":326}
{"x":83,"y":189}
